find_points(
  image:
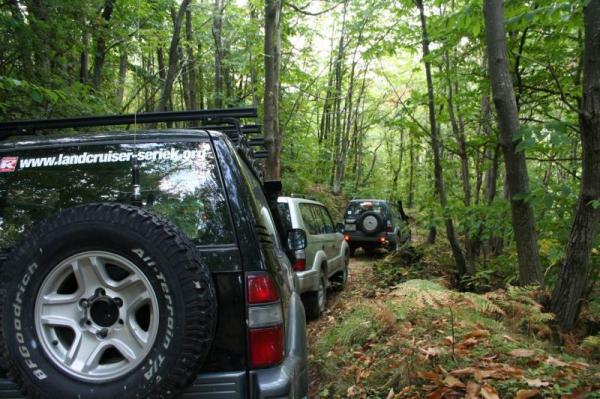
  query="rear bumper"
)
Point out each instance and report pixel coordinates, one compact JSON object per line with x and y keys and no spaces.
{"x":308,"y":280}
{"x":357,"y":238}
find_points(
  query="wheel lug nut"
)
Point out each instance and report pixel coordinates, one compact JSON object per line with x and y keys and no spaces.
{"x":102,"y":333}
{"x":118,"y":302}
{"x":84,"y":303}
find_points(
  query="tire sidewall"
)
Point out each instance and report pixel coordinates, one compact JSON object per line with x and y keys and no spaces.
{"x":19,"y":329}
{"x":377,"y":228}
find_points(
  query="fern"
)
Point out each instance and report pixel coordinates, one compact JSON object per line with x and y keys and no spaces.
{"x":483,"y":305}
{"x":420,"y":294}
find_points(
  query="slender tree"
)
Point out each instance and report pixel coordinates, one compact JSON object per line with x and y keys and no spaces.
{"x":457,"y":253}
{"x":517,"y":179}
{"x":217,"y":27}
{"x":572,"y":282}
{"x":165,"y":96}
{"x":100,"y":50}
{"x":272,"y":71}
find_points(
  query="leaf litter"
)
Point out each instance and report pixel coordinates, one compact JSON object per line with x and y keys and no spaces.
{"x":420,"y":339}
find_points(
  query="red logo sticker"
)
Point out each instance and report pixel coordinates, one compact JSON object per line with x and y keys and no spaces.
{"x":8,"y":164}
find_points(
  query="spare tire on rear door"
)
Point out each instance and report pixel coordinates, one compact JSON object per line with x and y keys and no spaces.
{"x":370,"y":222}
{"x":105,"y":301}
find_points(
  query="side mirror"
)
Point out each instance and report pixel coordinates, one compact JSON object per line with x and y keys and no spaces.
{"x":339,"y":227}
{"x":296,"y":239}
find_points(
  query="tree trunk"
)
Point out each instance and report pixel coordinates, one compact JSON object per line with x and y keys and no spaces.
{"x":530,"y":269}
{"x":171,"y":72}
{"x":459,"y":258}
{"x":411,"y":174}
{"x":190,"y":64}
{"x":100,"y":50}
{"x":569,"y":292}
{"x":122,"y":77}
{"x":218,"y":38}
{"x":84,"y":64}
{"x":272,"y":67}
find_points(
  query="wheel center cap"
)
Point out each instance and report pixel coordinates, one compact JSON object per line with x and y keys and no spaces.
{"x":104,"y":311}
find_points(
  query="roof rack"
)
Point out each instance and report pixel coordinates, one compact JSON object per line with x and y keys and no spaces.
{"x":224,"y":120}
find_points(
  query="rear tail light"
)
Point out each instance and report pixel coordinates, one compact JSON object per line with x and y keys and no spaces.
{"x":389,"y":227}
{"x":265,"y":321}
{"x":300,"y":263}
{"x":266,"y":346}
{"x":261,"y":289}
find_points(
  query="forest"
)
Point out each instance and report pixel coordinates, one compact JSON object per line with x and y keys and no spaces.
{"x":481,"y":116}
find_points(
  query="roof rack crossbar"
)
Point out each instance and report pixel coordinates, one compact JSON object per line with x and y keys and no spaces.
{"x":216,"y":115}
{"x":246,"y":129}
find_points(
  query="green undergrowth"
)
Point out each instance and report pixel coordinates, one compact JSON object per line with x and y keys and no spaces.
{"x":419,"y":338}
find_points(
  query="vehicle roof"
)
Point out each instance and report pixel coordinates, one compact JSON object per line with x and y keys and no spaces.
{"x":368,"y":200}
{"x":77,"y":138}
{"x":297,"y":200}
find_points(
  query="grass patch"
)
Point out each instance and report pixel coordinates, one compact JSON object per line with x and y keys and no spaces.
{"x":419,"y":338}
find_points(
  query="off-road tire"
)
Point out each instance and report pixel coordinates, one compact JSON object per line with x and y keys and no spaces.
{"x":181,"y":283}
{"x":339,"y":279}
{"x":378,"y":226}
{"x":311,"y":300}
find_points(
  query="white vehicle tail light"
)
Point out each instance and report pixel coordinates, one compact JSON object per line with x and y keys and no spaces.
{"x":300,"y":262}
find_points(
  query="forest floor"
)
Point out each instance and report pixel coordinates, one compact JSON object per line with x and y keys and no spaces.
{"x":398,"y":330}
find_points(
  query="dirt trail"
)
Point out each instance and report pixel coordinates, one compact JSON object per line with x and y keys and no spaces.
{"x":356,"y":290}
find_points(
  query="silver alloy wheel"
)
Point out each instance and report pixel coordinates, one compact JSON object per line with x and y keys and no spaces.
{"x":96,"y":316}
{"x":321,"y":294}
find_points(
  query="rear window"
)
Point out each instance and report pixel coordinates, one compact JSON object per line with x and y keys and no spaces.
{"x":357,"y":208}
{"x":179,"y":181}
{"x":284,"y":215}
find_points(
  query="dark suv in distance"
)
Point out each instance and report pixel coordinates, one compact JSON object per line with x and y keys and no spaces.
{"x":373,"y":223}
{"x":146,"y":263}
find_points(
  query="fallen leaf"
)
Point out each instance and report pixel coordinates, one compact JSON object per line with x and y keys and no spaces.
{"x":352,"y":391}
{"x":527,"y":393}
{"x":438,"y":393}
{"x":431,"y":351}
{"x":428,"y":375}
{"x":463,"y":372}
{"x":537,"y":383}
{"x":551,"y":361}
{"x":509,"y":338}
{"x":579,"y":365}
{"x":453,"y":382}
{"x":468,"y":343}
{"x":477,"y":334}
{"x":521,"y":353}
{"x":390,"y":394}
{"x":489,"y":392}
{"x":473,"y":390}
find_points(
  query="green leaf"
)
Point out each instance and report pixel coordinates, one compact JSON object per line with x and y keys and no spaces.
{"x":37,"y":96}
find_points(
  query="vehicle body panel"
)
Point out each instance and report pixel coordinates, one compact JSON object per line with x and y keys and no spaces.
{"x":325,"y":251}
{"x":226,"y":373}
{"x":394,"y":231}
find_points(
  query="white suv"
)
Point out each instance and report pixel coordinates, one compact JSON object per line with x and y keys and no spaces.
{"x":326,"y":256}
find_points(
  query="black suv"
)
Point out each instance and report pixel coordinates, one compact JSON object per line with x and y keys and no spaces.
{"x":373,"y":223}
{"x":145,"y":263}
